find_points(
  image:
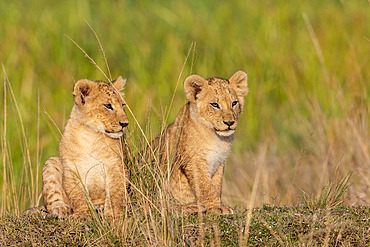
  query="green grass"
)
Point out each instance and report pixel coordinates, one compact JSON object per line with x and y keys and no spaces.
{"x":332,"y":195}
{"x":304,"y":125}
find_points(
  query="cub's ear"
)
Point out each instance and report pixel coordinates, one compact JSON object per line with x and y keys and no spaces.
{"x":193,"y":85}
{"x":82,"y":90}
{"x":240,"y":82}
{"x":119,"y":83}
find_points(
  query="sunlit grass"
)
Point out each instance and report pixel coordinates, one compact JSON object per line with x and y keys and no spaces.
{"x":331,"y":196}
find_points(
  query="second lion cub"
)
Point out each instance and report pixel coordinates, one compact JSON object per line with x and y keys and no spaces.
{"x":197,"y":143}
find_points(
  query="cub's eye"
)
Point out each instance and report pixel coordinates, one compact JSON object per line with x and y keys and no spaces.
{"x":234,"y":103}
{"x":123,"y":105}
{"x":108,"y":106}
{"x":215,"y":105}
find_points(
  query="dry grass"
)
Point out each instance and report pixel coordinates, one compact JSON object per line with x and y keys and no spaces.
{"x":331,"y":150}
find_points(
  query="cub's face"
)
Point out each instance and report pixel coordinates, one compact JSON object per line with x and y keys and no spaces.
{"x":101,"y":107}
{"x":218,"y":102}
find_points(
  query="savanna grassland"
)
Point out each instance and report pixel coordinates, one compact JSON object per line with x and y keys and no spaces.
{"x":301,"y":156}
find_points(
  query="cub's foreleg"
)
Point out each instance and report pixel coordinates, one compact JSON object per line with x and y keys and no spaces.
{"x":217,"y":183}
{"x":207,"y":189}
{"x":201,"y":183}
{"x":76,"y":192}
{"x":55,"y":200}
{"x":217,"y":180}
{"x":116,"y":192}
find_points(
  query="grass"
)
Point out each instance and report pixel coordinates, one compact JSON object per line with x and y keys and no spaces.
{"x":270,"y":226}
{"x":304,"y":126}
{"x":332,"y":195}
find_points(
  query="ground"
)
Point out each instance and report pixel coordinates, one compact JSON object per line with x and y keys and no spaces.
{"x":269,"y":226}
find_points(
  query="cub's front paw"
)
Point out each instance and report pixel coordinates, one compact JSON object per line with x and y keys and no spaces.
{"x":61,"y":211}
{"x":39,"y":210}
{"x":221,"y":209}
{"x":191,"y":208}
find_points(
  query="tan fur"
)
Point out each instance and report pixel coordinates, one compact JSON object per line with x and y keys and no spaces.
{"x":90,"y":170}
{"x":196,"y":145}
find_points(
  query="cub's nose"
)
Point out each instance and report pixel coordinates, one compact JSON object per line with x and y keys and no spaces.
{"x":229,"y":123}
{"x":123,"y":124}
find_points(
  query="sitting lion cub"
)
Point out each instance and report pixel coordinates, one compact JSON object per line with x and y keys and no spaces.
{"x":198,"y":142}
{"x":90,"y":170}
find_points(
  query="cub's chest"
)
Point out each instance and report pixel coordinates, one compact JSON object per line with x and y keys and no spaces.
{"x":91,"y":150}
{"x":216,"y":156}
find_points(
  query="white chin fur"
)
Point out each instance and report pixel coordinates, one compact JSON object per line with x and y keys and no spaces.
{"x":115,"y":135}
{"x":225,"y":133}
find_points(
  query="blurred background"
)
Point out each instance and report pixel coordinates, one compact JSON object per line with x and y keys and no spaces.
{"x":305,"y":122}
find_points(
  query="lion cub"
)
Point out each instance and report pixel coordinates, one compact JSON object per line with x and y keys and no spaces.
{"x":198,"y":142}
{"x":91,"y":168}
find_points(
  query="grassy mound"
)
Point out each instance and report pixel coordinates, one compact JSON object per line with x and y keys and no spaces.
{"x":267,"y":226}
